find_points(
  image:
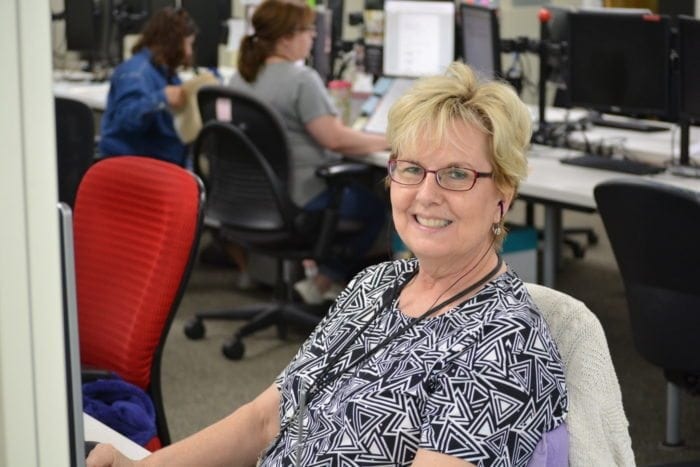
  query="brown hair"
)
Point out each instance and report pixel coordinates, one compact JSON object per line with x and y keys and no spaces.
{"x":164,"y":35}
{"x":272,"y":20}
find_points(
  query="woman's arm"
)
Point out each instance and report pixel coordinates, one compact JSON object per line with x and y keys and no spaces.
{"x":428,"y":458}
{"x":237,"y":440}
{"x":329,"y":132}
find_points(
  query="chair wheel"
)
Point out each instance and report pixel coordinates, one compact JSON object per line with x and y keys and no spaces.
{"x":592,"y":238}
{"x":194,"y":329}
{"x":233,"y":349}
{"x":282,"y":331}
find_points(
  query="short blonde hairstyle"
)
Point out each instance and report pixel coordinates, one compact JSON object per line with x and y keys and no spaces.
{"x":435,"y":103}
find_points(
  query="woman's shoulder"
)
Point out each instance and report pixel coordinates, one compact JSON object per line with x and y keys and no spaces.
{"x":507,"y":299}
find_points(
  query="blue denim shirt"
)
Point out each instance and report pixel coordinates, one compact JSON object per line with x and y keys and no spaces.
{"x":137,"y":120}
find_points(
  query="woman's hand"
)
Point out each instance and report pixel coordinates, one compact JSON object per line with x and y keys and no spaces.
{"x":175,"y":95}
{"x":105,"y":455}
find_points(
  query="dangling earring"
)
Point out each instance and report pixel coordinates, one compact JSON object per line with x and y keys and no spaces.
{"x":496,"y":229}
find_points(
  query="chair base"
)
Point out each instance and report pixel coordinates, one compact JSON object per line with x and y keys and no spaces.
{"x":258,"y":317}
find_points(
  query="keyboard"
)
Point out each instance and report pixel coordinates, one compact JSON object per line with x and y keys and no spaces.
{"x":615,"y":165}
{"x":634,"y":125}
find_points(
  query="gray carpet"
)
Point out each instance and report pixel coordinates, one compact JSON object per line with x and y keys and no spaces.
{"x":200,"y":385}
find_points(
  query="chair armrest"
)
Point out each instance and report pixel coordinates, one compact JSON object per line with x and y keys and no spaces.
{"x":334,"y":171}
{"x":89,"y":375}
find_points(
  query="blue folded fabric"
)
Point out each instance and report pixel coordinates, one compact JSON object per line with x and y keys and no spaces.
{"x":122,"y":406}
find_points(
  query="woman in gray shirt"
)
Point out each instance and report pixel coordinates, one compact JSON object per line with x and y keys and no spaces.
{"x":267,"y":68}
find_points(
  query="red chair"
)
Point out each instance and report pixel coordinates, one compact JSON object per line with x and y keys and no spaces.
{"x":136,"y":229}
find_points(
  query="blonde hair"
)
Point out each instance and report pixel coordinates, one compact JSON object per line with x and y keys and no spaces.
{"x":434,"y":104}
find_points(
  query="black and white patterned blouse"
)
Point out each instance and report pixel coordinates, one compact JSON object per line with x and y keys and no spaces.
{"x":481,"y":382}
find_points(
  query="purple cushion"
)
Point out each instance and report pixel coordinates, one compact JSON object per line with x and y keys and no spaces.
{"x":553,"y":449}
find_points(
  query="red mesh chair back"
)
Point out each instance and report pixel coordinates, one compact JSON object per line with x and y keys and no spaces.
{"x":136,"y":228}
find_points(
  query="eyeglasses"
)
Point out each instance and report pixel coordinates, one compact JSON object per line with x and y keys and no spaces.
{"x":449,"y":178}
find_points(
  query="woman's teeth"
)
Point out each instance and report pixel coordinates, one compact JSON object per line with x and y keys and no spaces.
{"x":434,"y":223}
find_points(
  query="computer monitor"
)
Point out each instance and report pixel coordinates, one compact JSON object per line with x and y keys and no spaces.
{"x":71,"y":339}
{"x":322,"y":49}
{"x":481,"y":41}
{"x":418,"y":37}
{"x":620,"y":63}
{"x":210,"y":17}
{"x":689,"y":59}
{"x":81,"y":17}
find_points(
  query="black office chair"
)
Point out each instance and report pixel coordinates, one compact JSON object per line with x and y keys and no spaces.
{"x":653,"y":229}
{"x":75,"y":145}
{"x":245,"y":163}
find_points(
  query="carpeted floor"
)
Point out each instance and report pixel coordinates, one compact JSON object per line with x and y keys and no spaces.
{"x":200,"y":385}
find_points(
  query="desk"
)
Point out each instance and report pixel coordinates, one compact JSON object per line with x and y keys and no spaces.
{"x":557,"y":187}
{"x":659,"y":148}
{"x":98,"y":431}
{"x":94,"y":95}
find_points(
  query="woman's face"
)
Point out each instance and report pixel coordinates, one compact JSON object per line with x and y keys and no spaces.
{"x":442,"y":225}
{"x":300,"y":42}
{"x":187,"y":48}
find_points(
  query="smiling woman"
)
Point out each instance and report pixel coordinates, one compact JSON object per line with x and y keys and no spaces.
{"x":443,"y":359}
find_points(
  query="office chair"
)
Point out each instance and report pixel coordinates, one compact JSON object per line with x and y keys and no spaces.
{"x":75,"y":145}
{"x":653,"y":231}
{"x":137,"y":225}
{"x":246,"y":169}
{"x":597,"y":426}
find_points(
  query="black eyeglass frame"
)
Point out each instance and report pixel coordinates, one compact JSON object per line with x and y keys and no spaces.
{"x":391,"y":166}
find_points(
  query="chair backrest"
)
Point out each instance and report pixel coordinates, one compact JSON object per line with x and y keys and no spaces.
{"x":75,"y":145}
{"x":244,"y":192}
{"x":654,"y":233}
{"x":257,"y":120}
{"x":136,"y":228}
{"x":598,"y":428}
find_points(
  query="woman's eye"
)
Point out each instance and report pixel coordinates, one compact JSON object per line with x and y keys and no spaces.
{"x":457,"y":174}
{"x":412,"y":170}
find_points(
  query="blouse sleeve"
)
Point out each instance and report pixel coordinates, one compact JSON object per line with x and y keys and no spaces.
{"x":313,"y":99}
{"x":493,"y":402}
{"x":135,"y":101}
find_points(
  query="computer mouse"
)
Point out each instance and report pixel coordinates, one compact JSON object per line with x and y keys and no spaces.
{"x":89,"y":446}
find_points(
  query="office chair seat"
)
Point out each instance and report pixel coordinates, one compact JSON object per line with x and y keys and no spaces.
{"x":653,"y":233}
{"x":137,"y":225}
{"x":75,"y":145}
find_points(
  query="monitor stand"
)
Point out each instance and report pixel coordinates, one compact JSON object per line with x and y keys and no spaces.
{"x":633,"y":125}
{"x":684,"y":167}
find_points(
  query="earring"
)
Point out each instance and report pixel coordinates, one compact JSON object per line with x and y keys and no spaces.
{"x":496,"y":229}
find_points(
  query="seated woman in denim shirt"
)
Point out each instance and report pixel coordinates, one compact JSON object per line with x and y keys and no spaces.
{"x":144,"y":89}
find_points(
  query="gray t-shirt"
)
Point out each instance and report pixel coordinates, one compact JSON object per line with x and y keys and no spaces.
{"x":297,"y":93}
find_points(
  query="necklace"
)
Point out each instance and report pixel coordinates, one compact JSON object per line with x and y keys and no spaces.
{"x":326,"y":378}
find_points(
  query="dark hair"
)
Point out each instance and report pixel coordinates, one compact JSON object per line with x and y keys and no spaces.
{"x":164,"y":35}
{"x":272,"y":20}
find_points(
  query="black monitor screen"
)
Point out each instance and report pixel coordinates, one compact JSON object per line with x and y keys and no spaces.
{"x":620,"y":63}
{"x":322,"y":48}
{"x":80,"y":25}
{"x":210,"y":17}
{"x":689,"y":55}
{"x":481,"y":39}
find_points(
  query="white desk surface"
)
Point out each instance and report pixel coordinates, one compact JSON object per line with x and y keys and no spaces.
{"x":98,"y":431}
{"x":659,"y":148}
{"x":77,"y":85}
{"x":94,"y":95}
